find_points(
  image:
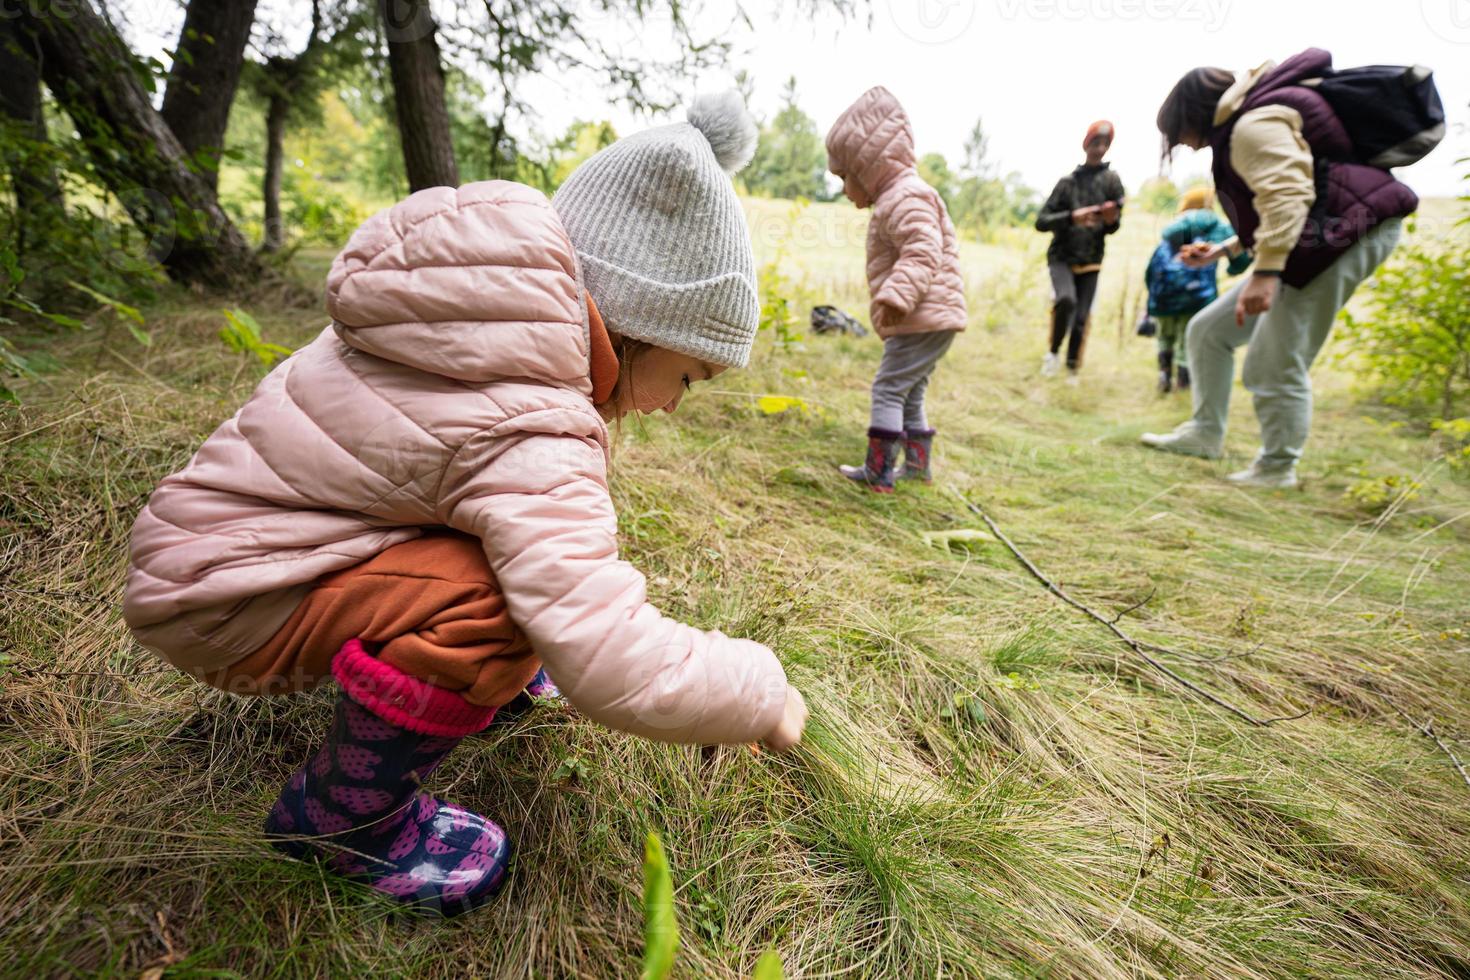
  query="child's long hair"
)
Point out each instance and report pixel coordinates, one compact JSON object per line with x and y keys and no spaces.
{"x":1190,"y":108}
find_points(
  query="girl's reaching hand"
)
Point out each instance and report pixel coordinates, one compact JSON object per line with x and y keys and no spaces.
{"x":787,"y":733}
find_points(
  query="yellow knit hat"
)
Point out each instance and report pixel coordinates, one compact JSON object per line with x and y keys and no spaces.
{"x":1195,"y":199}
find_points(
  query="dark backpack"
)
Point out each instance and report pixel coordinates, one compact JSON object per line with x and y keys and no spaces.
{"x":829,"y":319}
{"x":1392,"y":114}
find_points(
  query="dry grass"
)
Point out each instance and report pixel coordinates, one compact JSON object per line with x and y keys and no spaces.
{"x":991,"y":785}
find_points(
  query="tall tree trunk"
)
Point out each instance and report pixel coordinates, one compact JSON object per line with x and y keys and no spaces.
{"x":38,"y":197}
{"x":418,"y":94}
{"x":90,"y":71}
{"x":204,"y":76}
{"x":275,"y":137}
{"x":283,"y":82}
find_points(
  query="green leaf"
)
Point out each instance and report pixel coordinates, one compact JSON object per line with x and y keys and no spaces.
{"x":963,"y":539}
{"x":131,"y":312}
{"x":62,"y":320}
{"x":140,"y":335}
{"x":768,"y":967}
{"x":660,"y":928}
{"x":776,"y":404}
{"x":241,"y":333}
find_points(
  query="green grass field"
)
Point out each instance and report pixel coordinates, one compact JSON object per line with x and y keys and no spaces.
{"x":991,"y":785}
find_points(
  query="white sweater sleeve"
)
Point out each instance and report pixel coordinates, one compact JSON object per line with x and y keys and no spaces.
{"x":1270,"y":154}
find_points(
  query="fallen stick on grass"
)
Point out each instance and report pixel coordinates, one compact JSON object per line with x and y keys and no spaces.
{"x":1112,"y":624}
{"x":1427,"y":729}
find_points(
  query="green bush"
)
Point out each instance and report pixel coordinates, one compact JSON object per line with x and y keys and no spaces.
{"x":1377,"y":493}
{"x":1413,"y":343}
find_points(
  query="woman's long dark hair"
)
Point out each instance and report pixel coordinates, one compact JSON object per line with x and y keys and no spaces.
{"x":1190,"y":108}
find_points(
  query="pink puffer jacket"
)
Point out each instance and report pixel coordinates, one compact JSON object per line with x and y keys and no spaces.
{"x":452,"y":388}
{"x":913,"y":254}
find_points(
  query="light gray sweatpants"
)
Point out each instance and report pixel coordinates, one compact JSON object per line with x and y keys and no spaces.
{"x":1283,"y":343}
{"x":903,"y":375}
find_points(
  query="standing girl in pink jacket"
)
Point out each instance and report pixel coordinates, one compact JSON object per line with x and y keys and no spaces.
{"x":416,"y":502}
{"x":918,"y":297}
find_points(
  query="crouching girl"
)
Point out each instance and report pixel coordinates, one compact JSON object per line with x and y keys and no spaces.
{"x":416,"y":503}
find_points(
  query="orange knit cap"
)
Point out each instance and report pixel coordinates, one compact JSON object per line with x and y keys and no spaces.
{"x":1101,"y":128}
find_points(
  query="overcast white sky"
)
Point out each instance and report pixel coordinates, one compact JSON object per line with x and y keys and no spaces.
{"x":1038,"y":71}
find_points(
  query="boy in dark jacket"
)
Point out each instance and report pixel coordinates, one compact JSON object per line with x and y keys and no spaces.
{"x":1084,"y":208}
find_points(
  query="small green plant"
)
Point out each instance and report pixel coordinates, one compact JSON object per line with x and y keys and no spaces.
{"x":777,"y":301}
{"x":1377,"y":494}
{"x":241,"y":333}
{"x":781,"y":296}
{"x":1453,"y":436}
{"x":1016,"y":681}
{"x":768,"y":967}
{"x":660,"y":927}
{"x":571,"y":769}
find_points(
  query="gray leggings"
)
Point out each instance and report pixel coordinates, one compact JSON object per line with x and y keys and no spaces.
{"x":903,"y":374}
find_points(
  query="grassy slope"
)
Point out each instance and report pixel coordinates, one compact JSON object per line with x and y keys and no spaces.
{"x":990,"y":785}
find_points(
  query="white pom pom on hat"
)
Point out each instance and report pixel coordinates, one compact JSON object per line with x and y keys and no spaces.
{"x":723,"y":120}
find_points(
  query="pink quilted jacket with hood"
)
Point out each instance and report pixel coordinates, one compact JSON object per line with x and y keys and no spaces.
{"x":913,"y":255}
{"x":452,"y":388}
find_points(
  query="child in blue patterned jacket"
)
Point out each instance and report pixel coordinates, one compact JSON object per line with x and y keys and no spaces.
{"x":1177,"y":292}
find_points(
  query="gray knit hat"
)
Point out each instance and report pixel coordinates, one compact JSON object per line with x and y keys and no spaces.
{"x":662,"y":240}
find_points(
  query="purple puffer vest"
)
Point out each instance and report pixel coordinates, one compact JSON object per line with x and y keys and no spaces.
{"x":1352,"y":198}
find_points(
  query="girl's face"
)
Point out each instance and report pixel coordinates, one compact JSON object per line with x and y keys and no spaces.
{"x":854,"y":191}
{"x":655,"y":378}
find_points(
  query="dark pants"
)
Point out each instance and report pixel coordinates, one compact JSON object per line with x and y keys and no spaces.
{"x":1072,"y":296}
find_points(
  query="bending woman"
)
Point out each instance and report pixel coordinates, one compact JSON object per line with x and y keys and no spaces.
{"x":1317,"y":224}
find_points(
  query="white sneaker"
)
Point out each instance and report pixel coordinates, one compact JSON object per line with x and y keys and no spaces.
{"x":1073,"y":379}
{"x":1276,"y":478}
{"x":1184,"y":441}
{"x":1050,"y":365}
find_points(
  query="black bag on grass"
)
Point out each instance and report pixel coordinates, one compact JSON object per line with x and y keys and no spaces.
{"x":829,"y":319}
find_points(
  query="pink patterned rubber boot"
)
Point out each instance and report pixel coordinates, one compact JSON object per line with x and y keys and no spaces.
{"x":878,"y":468}
{"x":357,"y":805}
{"x":918,"y":444}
